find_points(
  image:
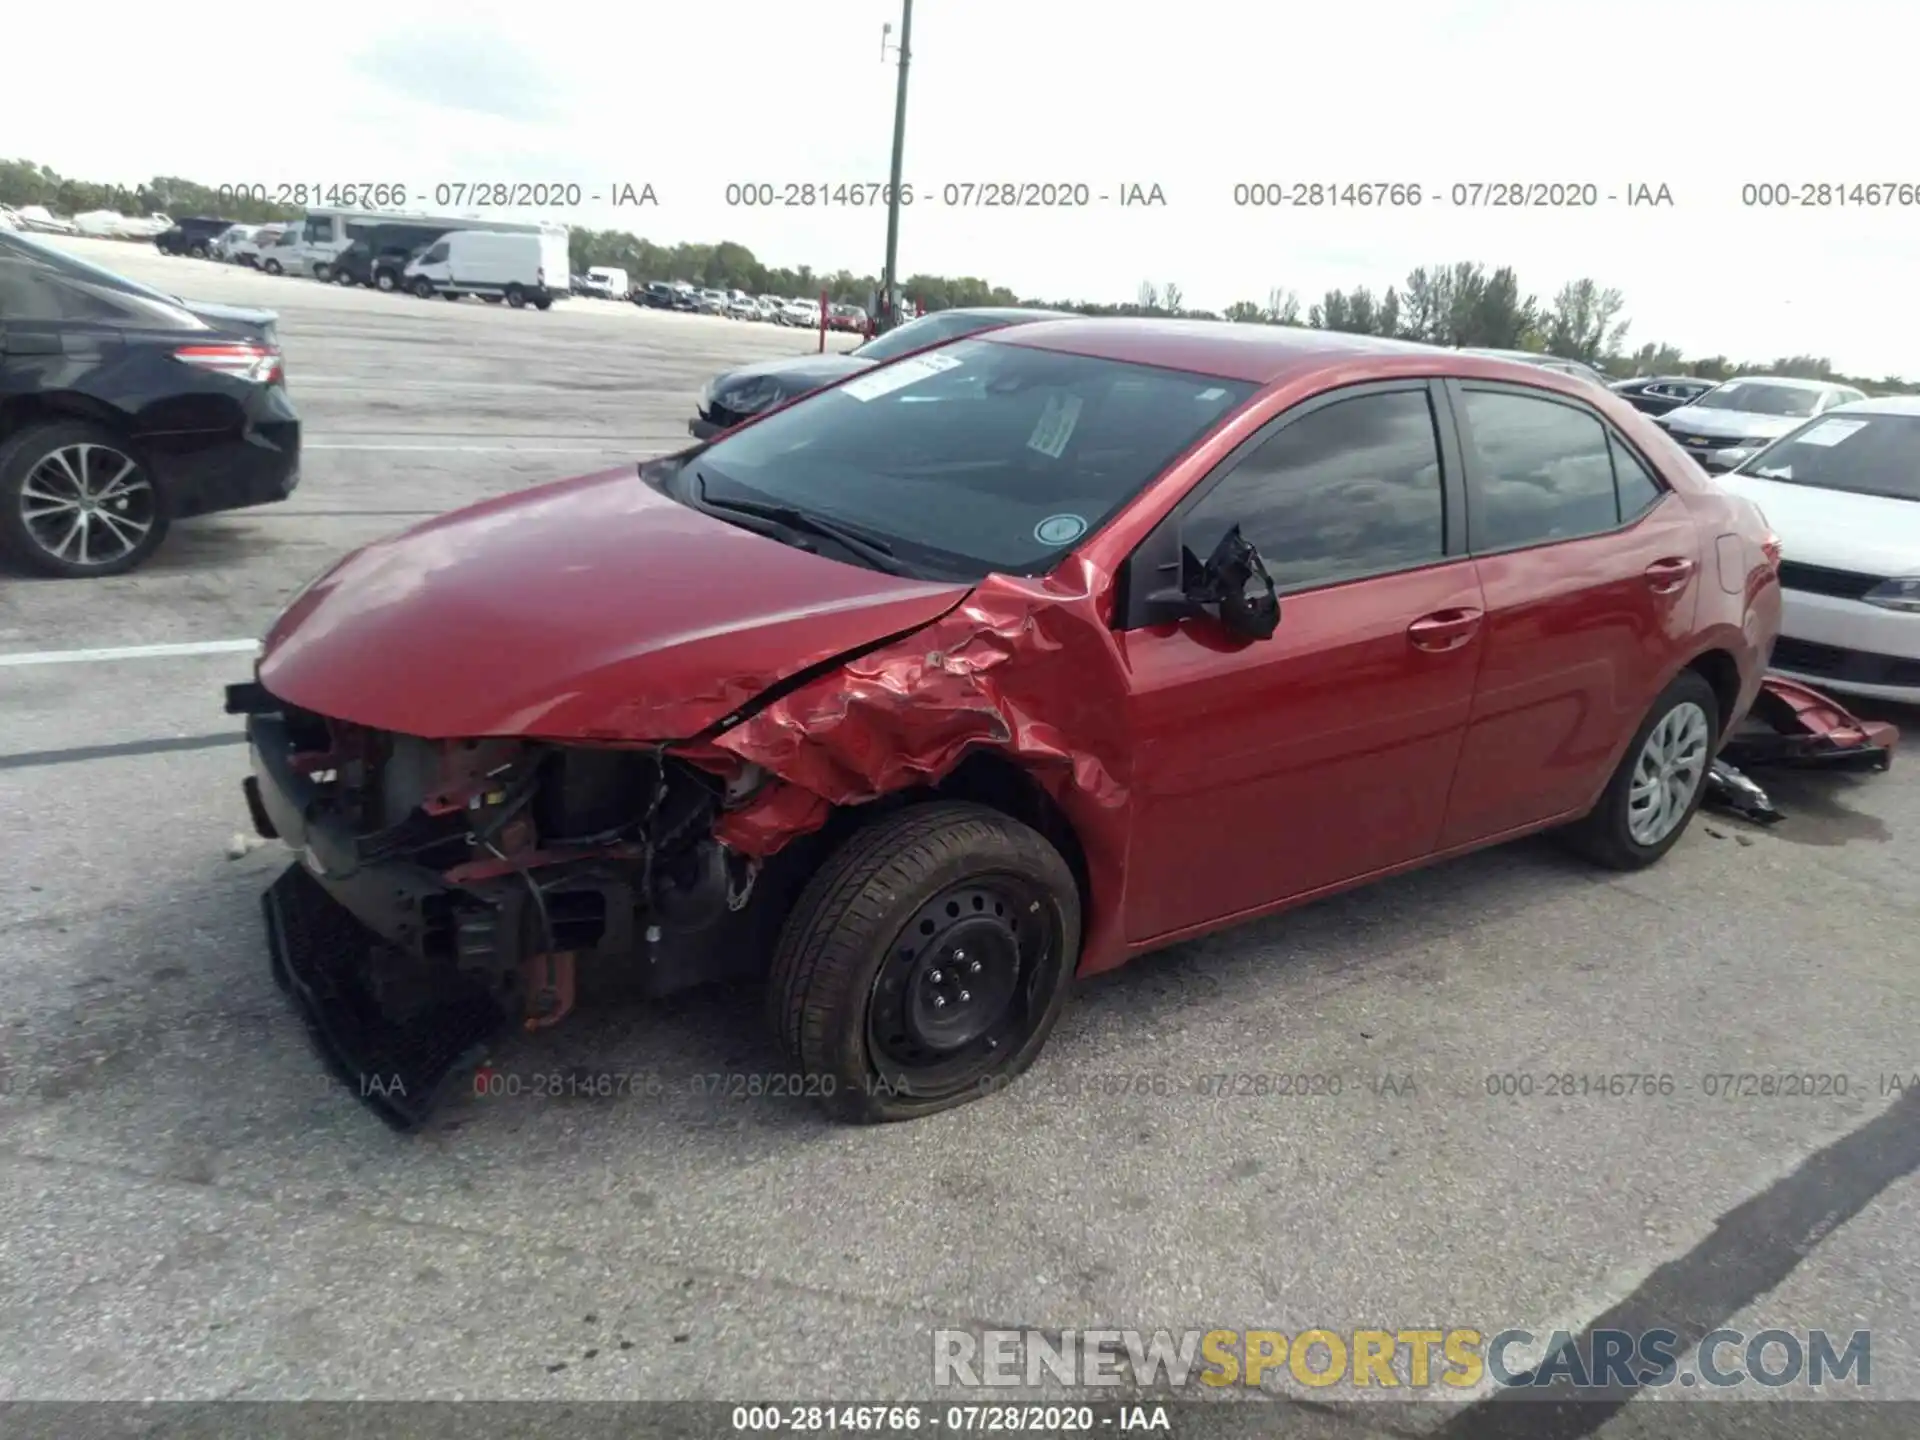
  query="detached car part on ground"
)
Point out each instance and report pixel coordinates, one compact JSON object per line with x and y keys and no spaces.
{"x":990,"y":667}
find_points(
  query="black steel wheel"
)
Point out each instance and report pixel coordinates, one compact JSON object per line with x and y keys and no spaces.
{"x":926,"y":962}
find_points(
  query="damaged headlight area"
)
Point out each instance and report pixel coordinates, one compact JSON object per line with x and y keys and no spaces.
{"x":446,"y":888}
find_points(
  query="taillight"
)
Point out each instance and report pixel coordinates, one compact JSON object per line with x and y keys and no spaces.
{"x":257,"y":363}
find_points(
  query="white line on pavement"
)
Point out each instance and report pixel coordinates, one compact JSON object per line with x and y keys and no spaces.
{"x":129,"y":652}
{"x":478,"y":449}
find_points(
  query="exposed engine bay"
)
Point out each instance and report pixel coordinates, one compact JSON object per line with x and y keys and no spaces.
{"x":488,"y":872}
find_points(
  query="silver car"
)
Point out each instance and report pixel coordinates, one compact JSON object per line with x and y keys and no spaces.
{"x":1739,"y":418}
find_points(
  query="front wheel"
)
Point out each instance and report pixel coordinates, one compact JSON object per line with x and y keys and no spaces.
{"x":323,"y":273}
{"x":272,"y":267}
{"x":516,"y":297}
{"x":423,"y":287}
{"x":926,"y":962}
{"x":1660,"y":782}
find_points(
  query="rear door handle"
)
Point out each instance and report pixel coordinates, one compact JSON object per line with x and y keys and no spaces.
{"x":1669,"y":575}
{"x":1444,"y":630}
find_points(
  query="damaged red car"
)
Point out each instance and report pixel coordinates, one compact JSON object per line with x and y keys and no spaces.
{"x":980,"y":671}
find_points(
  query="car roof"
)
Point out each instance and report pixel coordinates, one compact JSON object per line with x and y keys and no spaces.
{"x":1006,"y":312}
{"x":1880,"y":405}
{"x":1259,"y":354}
{"x":1792,"y":382}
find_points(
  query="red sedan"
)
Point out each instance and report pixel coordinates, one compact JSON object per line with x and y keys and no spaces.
{"x":985,"y":669}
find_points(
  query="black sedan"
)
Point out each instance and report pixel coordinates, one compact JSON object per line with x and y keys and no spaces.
{"x":736,"y":396}
{"x":123,"y":409}
{"x":1657,"y":394}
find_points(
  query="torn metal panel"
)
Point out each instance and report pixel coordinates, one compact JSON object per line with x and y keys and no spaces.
{"x":906,"y":715}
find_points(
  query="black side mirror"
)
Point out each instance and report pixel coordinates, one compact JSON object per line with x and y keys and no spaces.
{"x":1235,"y":585}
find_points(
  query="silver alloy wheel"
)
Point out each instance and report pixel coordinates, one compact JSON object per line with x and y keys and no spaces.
{"x":88,"y":504}
{"x":1668,"y":773}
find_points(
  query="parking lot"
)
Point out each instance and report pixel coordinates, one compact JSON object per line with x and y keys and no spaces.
{"x":195,"y":1211}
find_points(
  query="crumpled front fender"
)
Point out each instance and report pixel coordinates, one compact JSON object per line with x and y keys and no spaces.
{"x":1025,"y":667}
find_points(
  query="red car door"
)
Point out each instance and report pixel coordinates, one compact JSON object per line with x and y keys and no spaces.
{"x":1590,"y":569}
{"x":1267,"y":769}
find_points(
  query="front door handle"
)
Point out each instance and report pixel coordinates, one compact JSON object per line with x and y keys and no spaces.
{"x":1667,"y":576}
{"x":1444,"y":630}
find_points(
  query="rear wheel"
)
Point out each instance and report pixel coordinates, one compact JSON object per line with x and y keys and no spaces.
{"x":926,"y":962}
{"x":76,"y":501}
{"x":384,"y":280}
{"x":545,"y":302}
{"x":198,"y":250}
{"x":516,"y":297}
{"x":1660,"y":782}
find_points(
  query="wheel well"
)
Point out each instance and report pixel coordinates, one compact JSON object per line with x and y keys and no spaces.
{"x":24,"y":410}
{"x":999,"y":784}
{"x":1722,"y":672}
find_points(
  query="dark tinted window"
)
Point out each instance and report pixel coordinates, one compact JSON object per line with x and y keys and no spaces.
{"x":1352,"y":488}
{"x":1637,"y":488}
{"x":30,"y":291}
{"x":1865,"y":454}
{"x":977,"y":456}
{"x":1545,"y":471}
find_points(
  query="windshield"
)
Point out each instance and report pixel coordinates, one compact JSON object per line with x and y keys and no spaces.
{"x":927,"y":330}
{"x":1755,"y":398}
{"x":976,"y":457}
{"x":1861,"y":454}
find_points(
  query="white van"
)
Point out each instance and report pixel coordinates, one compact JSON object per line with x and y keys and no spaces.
{"x":608,"y":282}
{"x":520,"y":269}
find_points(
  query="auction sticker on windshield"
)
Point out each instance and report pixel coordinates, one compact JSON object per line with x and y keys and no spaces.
{"x":1050,"y":436}
{"x":1059,"y":529}
{"x":1830,"y":432}
{"x":898,"y":376}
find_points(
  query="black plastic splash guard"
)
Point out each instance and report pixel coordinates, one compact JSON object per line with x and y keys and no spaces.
{"x":399,"y":1067}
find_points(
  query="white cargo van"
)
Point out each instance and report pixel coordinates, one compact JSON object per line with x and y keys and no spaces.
{"x":520,"y":269}
{"x":608,"y":283}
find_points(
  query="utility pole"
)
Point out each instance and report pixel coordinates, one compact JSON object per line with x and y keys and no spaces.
{"x":889,"y":280}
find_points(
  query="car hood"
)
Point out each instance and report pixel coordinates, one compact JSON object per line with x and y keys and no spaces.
{"x":1729,"y":424}
{"x":589,"y":609}
{"x":1870,"y":534}
{"x":795,"y":374}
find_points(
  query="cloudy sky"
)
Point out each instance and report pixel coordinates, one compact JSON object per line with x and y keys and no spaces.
{"x":1697,"y":95}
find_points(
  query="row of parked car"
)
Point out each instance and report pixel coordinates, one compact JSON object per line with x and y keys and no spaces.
{"x":802,"y":313}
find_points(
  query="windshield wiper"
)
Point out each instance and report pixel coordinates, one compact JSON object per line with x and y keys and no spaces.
{"x":876,"y":553}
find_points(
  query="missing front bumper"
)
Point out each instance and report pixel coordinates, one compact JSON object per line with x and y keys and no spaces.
{"x":402,"y":1067}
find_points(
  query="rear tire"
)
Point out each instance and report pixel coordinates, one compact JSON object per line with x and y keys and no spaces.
{"x":545,"y":302}
{"x":198,"y":252}
{"x":384,"y":281}
{"x":46,"y":465}
{"x":925,"y":963}
{"x":1665,"y":764}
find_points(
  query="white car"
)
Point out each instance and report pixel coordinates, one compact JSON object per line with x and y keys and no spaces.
{"x":228,"y":240}
{"x":1736,"y":419}
{"x":743,"y":307}
{"x":1842,"y":492}
{"x":801,"y":313}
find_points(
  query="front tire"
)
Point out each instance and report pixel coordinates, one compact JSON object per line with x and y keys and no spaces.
{"x":77,"y":502}
{"x":926,"y":962}
{"x":423,"y":287}
{"x":1660,"y":782}
{"x":272,"y":267}
{"x":516,"y":297}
